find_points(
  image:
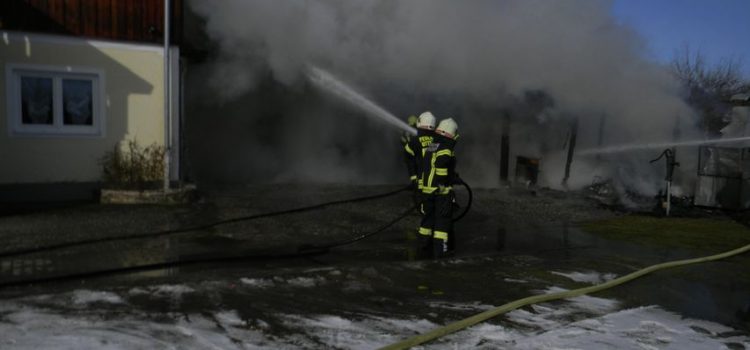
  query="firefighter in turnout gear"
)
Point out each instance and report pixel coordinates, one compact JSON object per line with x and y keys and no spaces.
{"x":414,"y":146}
{"x":411,"y":164}
{"x":438,"y":174}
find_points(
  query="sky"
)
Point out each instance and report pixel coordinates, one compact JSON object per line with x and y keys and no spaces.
{"x":718,"y":28}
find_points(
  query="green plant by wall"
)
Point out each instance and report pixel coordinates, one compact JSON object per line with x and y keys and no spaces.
{"x":135,"y":168}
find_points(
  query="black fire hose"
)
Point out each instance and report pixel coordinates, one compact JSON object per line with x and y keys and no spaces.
{"x":468,"y":204}
{"x":302,"y":251}
{"x":197,"y":228}
{"x":309,"y":248}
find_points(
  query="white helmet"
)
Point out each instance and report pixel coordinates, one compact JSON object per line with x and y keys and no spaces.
{"x":426,"y":121}
{"x":447,"y":128}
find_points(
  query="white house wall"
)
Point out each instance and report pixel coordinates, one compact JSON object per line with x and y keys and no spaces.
{"x":133,"y":109}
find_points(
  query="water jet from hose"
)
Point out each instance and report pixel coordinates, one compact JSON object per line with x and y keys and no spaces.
{"x":327,"y":82}
{"x":647,"y":146}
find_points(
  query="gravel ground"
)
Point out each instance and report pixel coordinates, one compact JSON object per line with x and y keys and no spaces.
{"x":85,"y":221}
{"x":512,"y":244}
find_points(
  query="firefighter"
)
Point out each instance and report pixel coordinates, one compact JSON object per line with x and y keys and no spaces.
{"x":438,"y":174}
{"x":415,"y":151}
{"x":411,"y":165}
{"x":414,"y":146}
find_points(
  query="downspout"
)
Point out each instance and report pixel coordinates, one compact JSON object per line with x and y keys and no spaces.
{"x":571,"y":150}
{"x":505,"y":149}
{"x":167,"y":97}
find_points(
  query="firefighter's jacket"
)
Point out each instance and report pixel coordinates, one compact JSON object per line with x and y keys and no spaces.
{"x":438,"y":169}
{"x":414,"y":152}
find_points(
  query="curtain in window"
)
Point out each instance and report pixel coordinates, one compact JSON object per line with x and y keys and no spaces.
{"x":36,"y":100}
{"x":77,"y":102}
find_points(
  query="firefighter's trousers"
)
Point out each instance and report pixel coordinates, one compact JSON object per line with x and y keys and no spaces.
{"x":436,"y":225}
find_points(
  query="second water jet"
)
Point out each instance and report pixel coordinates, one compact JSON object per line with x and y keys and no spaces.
{"x":646,"y":146}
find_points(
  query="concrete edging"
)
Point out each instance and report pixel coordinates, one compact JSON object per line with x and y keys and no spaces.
{"x":182,"y":195}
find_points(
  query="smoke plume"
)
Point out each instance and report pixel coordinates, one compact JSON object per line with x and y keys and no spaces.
{"x":542,"y":63}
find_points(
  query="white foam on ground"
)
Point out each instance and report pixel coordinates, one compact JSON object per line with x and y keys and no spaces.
{"x":587,"y":302}
{"x":640,"y":328}
{"x":175,"y":290}
{"x":579,"y":323}
{"x":319,"y":269}
{"x":230,"y":318}
{"x":513,"y":280}
{"x":261,"y":283}
{"x":137,"y":291}
{"x":586,"y":277}
{"x":26,"y":328}
{"x":305,"y":282}
{"x":335,"y":331}
{"x":527,"y":318}
{"x":85,"y":297}
{"x":475,"y":306}
{"x":172,"y":289}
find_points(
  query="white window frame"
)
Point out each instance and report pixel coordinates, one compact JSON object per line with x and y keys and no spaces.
{"x":13,"y":74}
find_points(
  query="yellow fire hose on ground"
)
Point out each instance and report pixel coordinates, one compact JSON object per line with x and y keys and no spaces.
{"x":481,"y":317}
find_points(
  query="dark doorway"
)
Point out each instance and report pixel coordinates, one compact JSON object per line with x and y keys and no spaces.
{"x":527,"y":170}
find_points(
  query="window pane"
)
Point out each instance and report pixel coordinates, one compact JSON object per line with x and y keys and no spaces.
{"x":36,"y":100}
{"x":77,"y":102}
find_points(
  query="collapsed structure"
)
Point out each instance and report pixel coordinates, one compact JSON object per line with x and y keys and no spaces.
{"x":724,"y":171}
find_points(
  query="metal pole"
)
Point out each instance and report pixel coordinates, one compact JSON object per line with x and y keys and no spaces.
{"x":505,"y":149}
{"x":571,"y":150}
{"x":167,"y":97}
{"x":669,"y":195}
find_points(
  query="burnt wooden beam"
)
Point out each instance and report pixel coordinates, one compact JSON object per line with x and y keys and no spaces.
{"x":571,"y":150}
{"x":505,"y":149}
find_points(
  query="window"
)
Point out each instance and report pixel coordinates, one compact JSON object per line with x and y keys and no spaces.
{"x":49,"y":101}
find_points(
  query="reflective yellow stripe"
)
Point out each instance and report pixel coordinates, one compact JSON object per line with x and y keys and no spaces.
{"x":436,"y":171}
{"x":441,"y":235}
{"x":425,"y":231}
{"x":445,"y":190}
{"x":445,"y":152}
{"x":438,"y":190}
{"x":408,"y":149}
{"x":432,"y":171}
{"x":413,"y":177}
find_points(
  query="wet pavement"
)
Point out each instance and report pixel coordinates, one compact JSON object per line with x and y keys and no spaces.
{"x":510,"y":245}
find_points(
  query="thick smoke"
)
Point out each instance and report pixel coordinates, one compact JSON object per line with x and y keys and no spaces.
{"x":475,"y":61}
